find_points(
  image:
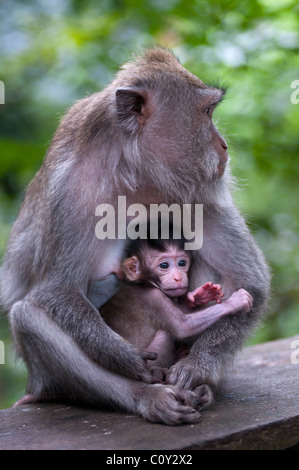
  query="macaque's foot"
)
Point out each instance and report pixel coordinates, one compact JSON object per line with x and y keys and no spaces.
{"x":29,"y":398}
{"x":205,"y":294}
{"x":188,"y":373}
{"x":147,"y":375}
{"x":168,"y":404}
{"x":26,"y":400}
{"x":205,"y":396}
{"x":159,"y":373}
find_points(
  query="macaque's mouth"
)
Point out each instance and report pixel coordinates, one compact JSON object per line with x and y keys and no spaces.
{"x":175,"y":292}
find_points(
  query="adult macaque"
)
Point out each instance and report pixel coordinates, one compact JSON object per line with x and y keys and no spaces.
{"x":148,"y":136}
{"x":155,"y":309}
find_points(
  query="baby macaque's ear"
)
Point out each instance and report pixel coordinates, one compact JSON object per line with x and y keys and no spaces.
{"x":131,"y":267}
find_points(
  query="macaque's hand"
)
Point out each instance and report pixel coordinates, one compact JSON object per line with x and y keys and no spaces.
{"x":158,"y":374}
{"x":204,"y":294}
{"x":189,"y":373}
{"x":152,"y":374}
{"x":240,"y":300}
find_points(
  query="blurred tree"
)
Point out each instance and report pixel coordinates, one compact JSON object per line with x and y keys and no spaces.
{"x":54,"y":52}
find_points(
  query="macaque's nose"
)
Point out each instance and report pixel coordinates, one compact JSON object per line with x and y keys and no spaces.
{"x":222,"y":140}
{"x":224,"y":144}
{"x":177,"y":276}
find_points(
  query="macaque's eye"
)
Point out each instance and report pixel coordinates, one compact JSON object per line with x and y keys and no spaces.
{"x":164,"y":265}
{"x":182,"y":262}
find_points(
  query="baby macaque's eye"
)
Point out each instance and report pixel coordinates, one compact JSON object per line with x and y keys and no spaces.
{"x":164,"y":265}
{"x":182,"y":262}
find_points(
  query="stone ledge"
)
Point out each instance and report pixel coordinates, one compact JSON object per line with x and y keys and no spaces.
{"x":256,"y":407}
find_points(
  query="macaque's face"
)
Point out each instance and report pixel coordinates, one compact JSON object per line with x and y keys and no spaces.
{"x":172,"y":268}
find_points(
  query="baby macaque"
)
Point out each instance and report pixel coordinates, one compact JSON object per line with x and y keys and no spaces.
{"x":154,"y":310}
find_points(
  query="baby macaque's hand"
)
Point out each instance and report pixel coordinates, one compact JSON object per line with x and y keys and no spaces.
{"x":204,"y":294}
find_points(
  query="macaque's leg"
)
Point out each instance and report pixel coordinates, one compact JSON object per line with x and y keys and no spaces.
{"x":74,"y":314}
{"x":56,"y":365}
{"x":163,"y":345}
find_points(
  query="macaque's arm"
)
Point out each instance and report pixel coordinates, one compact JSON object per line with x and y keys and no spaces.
{"x":167,"y":316}
{"x":204,"y":294}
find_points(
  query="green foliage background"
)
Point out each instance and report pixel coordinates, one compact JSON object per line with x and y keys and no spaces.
{"x":53,"y":52}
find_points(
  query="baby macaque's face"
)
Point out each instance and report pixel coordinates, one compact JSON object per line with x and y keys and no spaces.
{"x":172,"y":268}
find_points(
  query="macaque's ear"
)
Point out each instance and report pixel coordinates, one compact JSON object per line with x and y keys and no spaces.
{"x":131,"y":267}
{"x":132,"y":108}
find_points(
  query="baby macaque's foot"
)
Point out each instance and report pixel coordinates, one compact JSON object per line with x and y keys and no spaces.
{"x":205,"y":294}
